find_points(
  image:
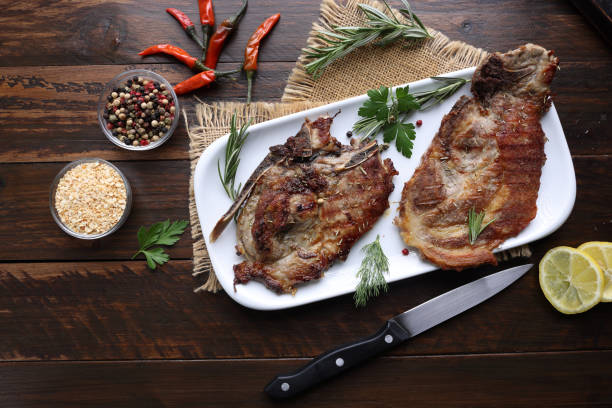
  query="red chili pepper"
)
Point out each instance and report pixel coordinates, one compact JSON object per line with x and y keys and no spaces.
{"x":207,"y":19}
{"x":180,"y":17}
{"x":178,"y":53}
{"x":195,"y":82}
{"x":207,"y":15}
{"x":186,"y":23}
{"x":218,"y":38}
{"x":251,"y":52}
{"x":199,"y":80}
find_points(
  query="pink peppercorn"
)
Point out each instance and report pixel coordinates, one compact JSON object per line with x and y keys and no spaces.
{"x":419,"y":122}
{"x":405,"y":251}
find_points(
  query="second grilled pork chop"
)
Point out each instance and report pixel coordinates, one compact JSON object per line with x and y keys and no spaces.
{"x":306,"y":205}
{"x":487,"y":155}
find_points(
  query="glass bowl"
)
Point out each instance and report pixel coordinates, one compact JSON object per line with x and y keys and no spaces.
{"x":122,"y":78}
{"x":124,"y":216}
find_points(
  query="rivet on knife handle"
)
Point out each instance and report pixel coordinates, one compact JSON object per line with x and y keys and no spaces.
{"x":336,"y":361}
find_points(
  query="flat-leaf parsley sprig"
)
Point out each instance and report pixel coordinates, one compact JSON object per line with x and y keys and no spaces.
{"x":161,"y":233}
{"x":371,"y":274}
{"x":384,"y":111}
{"x":379,"y":29}
{"x":232,"y":157}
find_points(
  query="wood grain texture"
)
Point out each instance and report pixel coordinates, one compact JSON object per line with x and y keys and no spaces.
{"x":160,"y":191}
{"x":63,"y":299}
{"x":576,"y":379}
{"x":122,"y":310}
{"x":49,"y":119}
{"x":92,"y":32}
{"x":52,"y":118}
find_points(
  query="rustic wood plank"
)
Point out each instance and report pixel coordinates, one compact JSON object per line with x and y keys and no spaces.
{"x":90,"y":32}
{"x":161,"y":191}
{"x":27,"y":231}
{"x":599,"y":14}
{"x":572,"y":379}
{"x":94,"y":32}
{"x":122,"y":310}
{"x":50,"y":112}
{"x":109,"y":309}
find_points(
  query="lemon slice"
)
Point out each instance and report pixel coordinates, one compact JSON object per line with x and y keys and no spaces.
{"x":571,"y":280}
{"x":602,"y":253}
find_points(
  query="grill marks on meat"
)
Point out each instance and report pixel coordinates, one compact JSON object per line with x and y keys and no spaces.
{"x":306,"y":205}
{"x":488,"y":154}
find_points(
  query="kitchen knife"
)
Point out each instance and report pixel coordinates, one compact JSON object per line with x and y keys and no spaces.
{"x":395,"y":331}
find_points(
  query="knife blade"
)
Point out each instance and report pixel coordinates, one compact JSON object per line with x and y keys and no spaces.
{"x":395,"y":331}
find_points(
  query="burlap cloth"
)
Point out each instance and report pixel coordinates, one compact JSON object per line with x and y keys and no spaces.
{"x":364,"y":69}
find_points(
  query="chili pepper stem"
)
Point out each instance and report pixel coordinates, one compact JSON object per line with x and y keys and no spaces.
{"x":206,"y":29}
{"x":249,"y":75}
{"x":201,"y":67}
{"x":194,"y":36}
{"x":239,"y":14}
{"x":220,"y":74}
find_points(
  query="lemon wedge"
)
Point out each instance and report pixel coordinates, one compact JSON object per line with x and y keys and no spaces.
{"x":571,"y":280}
{"x":602,"y":253}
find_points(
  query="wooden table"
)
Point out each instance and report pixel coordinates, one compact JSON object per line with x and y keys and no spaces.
{"x":83,"y":325}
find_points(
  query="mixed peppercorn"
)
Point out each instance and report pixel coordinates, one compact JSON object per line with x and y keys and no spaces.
{"x":139,"y":111}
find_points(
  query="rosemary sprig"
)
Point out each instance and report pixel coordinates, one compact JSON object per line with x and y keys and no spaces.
{"x":371,"y":273}
{"x":449,"y":86}
{"x":380,"y":29}
{"x":475,"y":224}
{"x":232,"y":157}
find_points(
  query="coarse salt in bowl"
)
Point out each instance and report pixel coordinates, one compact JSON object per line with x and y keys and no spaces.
{"x":122,"y":79}
{"x":90,"y":198}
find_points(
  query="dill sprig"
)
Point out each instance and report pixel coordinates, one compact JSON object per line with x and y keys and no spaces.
{"x":475,"y":224}
{"x":232,"y":157}
{"x":449,"y":86}
{"x":380,"y":29}
{"x":371,"y":273}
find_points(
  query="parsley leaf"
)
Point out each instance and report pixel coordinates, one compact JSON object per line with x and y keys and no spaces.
{"x":381,"y":112}
{"x":156,"y":256}
{"x":172,"y":233}
{"x":405,"y":100}
{"x":383,"y":108}
{"x":404,"y":135}
{"x":147,"y":237}
{"x":377,"y":102}
{"x":161,"y":233}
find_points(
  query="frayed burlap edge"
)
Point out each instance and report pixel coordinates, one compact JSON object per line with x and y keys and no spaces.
{"x":456,"y":54}
{"x":213,"y":121}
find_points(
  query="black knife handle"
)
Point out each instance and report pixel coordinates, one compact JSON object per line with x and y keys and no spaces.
{"x":336,"y":361}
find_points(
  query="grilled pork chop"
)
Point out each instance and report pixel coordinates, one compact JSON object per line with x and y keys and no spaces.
{"x":487,"y":155}
{"x":305,"y":206}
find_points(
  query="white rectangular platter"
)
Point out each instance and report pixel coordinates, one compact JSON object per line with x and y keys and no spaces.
{"x":555,"y":200}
